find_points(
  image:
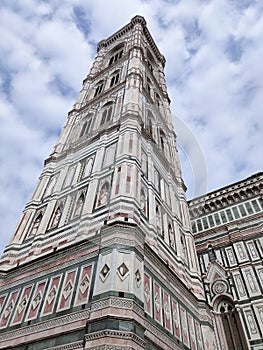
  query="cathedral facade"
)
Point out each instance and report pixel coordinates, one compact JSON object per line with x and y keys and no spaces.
{"x":227,"y":226}
{"x":106,"y":255}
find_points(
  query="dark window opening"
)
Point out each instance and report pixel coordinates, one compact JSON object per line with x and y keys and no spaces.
{"x":99,"y":89}
{"x":115,"y":57}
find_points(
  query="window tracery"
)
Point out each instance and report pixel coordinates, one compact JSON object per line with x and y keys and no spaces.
{"x":35,"y":225}
{"x":116,"y":56}
{"x":56,"y":217}
{"x":99,"y":88}
{"x":79,"y":205}
{"x":106,"y":114}
{"x":103,"y":194}
{"x":115,"y":77}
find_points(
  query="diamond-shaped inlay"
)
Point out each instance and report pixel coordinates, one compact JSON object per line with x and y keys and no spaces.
{"x":104,"y":272}
{"x":84,"y":284}
{"x":22,"y":305}
{"x":51,"y":296}
{"x":36,"y":301}
{"x":67,"y":290}
{"x":9,"y":309}
{"x":123,"y":270}
{"x":138,"y":277}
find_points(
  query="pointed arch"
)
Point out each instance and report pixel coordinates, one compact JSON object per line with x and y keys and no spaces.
{"x":116,"y":53}
{"x":56,"y":216}
{"x":99,"y":88}
{"x":103,"y":194}
{"x":79,"y":205}
{"x":228,"y":321}
{"x":35,"y":225}
{"x":106,"y":113}
{"x":88,"y":167}
{"x":115,"y":78}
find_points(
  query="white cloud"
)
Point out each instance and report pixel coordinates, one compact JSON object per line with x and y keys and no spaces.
{"x":214,"y":74}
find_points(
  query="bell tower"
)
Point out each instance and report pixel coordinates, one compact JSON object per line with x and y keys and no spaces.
{"x":104,"y":253}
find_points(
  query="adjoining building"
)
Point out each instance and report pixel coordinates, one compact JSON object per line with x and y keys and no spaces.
{"x":104,"y":256}
{"x":227,"y":226}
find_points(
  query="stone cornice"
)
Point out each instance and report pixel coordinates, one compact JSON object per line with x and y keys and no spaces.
{"x":124,"y":30}
{"x":227,"y":196}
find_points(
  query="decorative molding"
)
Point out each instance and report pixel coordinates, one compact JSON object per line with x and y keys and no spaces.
{"x":118,"y":303}
{"x":54,"y":323}
{"x":115,"y":334}
{"x":72,"y":346}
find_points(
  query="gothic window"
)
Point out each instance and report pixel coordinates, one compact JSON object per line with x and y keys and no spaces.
{"x":116,"y":56}
{"x":87,"y":167}
{"x":115,"y":78}
{"x":35,"y":225}
{"x":232,"y":326}
{"x":85,"y":128}
{"x":106,"y":114}
{"x":103,"y":194}
{"x":56,"y":217}
{"x":79,"y":205}
{"x":99,"y":88}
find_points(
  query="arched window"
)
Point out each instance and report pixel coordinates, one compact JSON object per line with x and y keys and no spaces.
{"x":85,"y":128}
{"x":115,"y":78}
{"x":116,"y":55}
{"x":99,"y":88}
{"x":233,"y":330}
{"x":35,"y":225}
{"x":103,"y":194}
{"x":79,"y":205}
{"x":106,"y":114}
{"x":56,"y":217}
{"x":87,"y":167}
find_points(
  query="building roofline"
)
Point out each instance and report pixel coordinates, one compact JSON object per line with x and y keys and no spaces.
{"x":126,"y":28}
{"x":218,"y":191}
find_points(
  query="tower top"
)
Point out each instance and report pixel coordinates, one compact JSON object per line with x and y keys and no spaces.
{"x":135,"y":20}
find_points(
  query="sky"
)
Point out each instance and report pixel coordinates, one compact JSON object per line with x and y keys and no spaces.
{"x":214,"y":74}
